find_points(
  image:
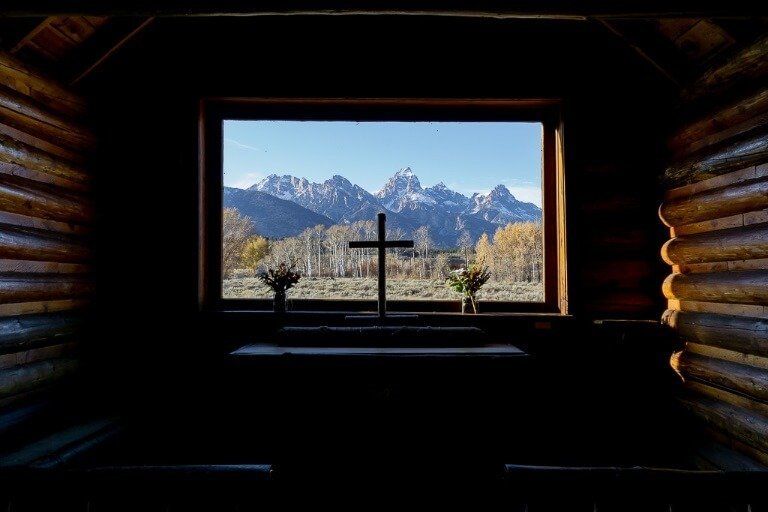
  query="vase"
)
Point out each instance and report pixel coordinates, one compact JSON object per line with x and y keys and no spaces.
{"x":468,"y":305}
{"x":278,"y":304}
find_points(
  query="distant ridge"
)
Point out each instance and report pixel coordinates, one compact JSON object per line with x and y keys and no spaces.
{"x":407,"y":204}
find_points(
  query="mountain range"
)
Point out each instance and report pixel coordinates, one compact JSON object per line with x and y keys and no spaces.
{"x":285,"y":205}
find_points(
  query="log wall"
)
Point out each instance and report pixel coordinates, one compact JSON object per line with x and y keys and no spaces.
{"x":716,"y":206}
{"x":45,"y":224}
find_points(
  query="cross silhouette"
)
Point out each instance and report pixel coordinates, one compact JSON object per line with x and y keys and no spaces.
{"x":382,"y":244}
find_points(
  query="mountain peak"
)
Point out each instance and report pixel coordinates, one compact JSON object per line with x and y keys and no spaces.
{"x":501,"y":192}
{"x":338,"y":179}
{"x":405,"y":171}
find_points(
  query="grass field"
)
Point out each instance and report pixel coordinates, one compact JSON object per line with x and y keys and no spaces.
{"x":243,"y":287}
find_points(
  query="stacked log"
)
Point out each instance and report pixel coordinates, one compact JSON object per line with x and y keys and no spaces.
{"x":45,"y":250}
{"x":716,"y":207}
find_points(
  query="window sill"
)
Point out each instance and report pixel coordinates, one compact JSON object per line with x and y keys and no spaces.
{"x":270,"y":351}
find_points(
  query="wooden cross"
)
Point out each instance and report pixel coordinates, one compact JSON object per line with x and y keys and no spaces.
{"x":382,"y":244}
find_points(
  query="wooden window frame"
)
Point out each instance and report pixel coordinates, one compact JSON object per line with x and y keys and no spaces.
{"x":214,"y":111}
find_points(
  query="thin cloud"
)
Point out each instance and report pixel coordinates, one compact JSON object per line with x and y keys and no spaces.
{"x":240,"y":145}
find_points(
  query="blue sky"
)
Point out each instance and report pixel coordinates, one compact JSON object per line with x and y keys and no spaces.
{"x":468,"y":156}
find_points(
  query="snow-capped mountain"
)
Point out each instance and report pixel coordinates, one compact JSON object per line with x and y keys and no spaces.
{"x":501,"y":207}
{"x":336,"y":198}
{"x":407,"y":204}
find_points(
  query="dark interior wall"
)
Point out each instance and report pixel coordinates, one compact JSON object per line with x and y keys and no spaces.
{"x":615,"y":108}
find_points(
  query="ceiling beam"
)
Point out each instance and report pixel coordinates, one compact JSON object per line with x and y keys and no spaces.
{"x":649,"y":47}
{"x":552,"y":9}
{"x":105,"y":55}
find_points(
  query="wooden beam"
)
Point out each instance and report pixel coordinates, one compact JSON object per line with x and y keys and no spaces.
{"x":15,"y":152}
{"x":39,"y":245}
{"x":27,"y":197}
{"x":23,"y":113}
{"x":730,"y":121}
{"x":746,"y":196}
{"x":26,"y":377}
{"x":642,"y":51}
{"x":26,"y":80}
{"x":741,"y":334}
{"x":43,"y":287}
{"x":112,"y":50}
{"x":742,"y":243}
{"x":31,"y":308}
{"x":749,"y":64}
{"x":554,"y":9}
{"x":750,"y":151}
{"x":47,"y":449}
{"x":748,"y":427}
{"x":31,"y":35}
{"x":739,"y":287}
{"x":741,"y":378}
{"x":22,"y":332}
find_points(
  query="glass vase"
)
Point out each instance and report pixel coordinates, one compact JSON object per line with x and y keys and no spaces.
{"x":468,"y":305}
{"x":278,"y":304}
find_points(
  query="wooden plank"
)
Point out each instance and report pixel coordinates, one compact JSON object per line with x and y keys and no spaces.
{"x":755,"y":217}
{"x":743,"y":334}
{"x":742,"y":287}
{"x":736,"y":132}
{"x":686,"y":191}
{"x":23,"y":114}
{"x":726,"y":440}
{"x":25,"y":221}
{"x":26,"y":80}
{"x":79,"y":449}
{"x":555,"y":9}
{"x":22,"y":332}
{"x":271,"y":350}
{"x":16,"y":152}
{"x":51,"y":306}
{"x":715,"y":204}
{"x":747,"y":380}
{"x":43,"y":267}
{"x":42,"y":287}
{"x":728,"y":397}
{"x":37,"y":354}
{"x":722,"y":266}
{"x":29,"y":376}
{"x":747,"y":426}
{"x":33,"y":199}
{"x":703,"y":40}
{"x":750,"y":63}
{"x":726,"y":459}
{"x":741,"y":243}
{"x":23,"y":172}
{"x":40,"y":245}
{"x":59,"y":441}
{"x":732,"y":221}
{"x":728,"y":355}
{"x":748,"y":310}
{"x":751,"y":151}
{"x":58,"y":150}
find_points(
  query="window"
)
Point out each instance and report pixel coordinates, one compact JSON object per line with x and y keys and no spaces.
{"x":294,"y":181}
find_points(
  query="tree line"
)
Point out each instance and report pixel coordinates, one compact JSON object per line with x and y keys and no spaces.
{"x":513,"y":254}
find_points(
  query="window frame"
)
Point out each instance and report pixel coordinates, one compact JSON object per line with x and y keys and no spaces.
{"x":214,"y":111}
